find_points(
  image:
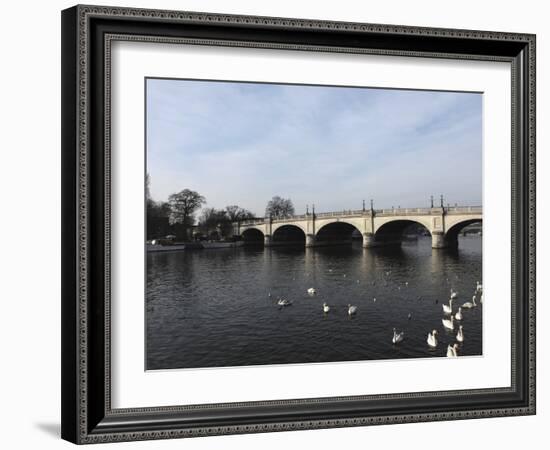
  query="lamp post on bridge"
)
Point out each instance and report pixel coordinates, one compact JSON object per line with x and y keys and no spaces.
{"x":432,"y":200}
{"x":310,"y":235}
{"x":441,"y":198}
{"x":368,"y":234}
{"x":363,"y":205}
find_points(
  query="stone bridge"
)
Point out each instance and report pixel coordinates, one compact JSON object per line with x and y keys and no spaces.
{"x":377,"y":227}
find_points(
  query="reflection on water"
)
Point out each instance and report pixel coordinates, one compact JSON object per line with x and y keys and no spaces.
{"x":212,"y":308}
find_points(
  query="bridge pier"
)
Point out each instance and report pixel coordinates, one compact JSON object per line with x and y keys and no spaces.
{"x":267,"y":240}
{"x":369,"y":240}
{"x":438,"y":240}
{"x":310,"y":240}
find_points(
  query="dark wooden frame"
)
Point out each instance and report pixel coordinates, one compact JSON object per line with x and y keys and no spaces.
{"x":87,"y":31}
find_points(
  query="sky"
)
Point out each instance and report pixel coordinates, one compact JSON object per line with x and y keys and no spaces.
{"x":243,"y":143}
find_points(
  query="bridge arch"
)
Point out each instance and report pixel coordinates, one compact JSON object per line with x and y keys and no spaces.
{"x":288,"y":234}
{"x":253,"y":236}
{"x":451,"y":236}
{"x":392,"y":231}
{"x":337,"y":232}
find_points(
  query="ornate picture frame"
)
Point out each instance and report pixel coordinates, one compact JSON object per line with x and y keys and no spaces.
{"x":87,"y":35}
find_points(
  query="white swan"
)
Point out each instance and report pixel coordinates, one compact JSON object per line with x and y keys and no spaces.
{"x":452,"y":351}
{"x":460,"y":334}
{"x":397,"y":337}
{"x":448,"y":309}
{"x":479,"y":286}
{"x":352,"y":309}
{"x":458,"y":315}
{"x":454,"y":294}
{"x":449,"y":324}
{"x":432,"y":339}
{"x":470,"y":305}
{"x":326,"y":308}
{"x":311,"y":291}
{"x":284,"y":302}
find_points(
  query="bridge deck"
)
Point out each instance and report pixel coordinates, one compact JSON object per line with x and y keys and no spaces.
{"x":388,"y":212}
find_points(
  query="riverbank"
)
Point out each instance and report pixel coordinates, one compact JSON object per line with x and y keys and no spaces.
{"x":193,"y":246}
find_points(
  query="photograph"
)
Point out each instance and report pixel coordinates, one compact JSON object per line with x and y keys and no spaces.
{"x":299,"y":224}
{"x":272,"y":222}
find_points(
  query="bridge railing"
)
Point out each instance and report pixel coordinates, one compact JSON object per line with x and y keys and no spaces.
{"x":286,"y":219}
{"x":258,"y":221}
{"x":403,"y":211}
{"x":344,"y":212}
{"x":464,"y":209}
{"x":367,"y":212}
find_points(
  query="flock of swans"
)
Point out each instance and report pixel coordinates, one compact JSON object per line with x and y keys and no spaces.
{"x":448,"y":320}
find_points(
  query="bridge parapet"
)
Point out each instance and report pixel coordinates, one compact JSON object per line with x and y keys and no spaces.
{"x":259,"y":221}
{"x":368,"y":213}
{"x":286,"y":219}
{"x":406,"y":211}
{"x":464,"y":209}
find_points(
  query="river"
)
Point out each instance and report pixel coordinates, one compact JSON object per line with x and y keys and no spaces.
{"x":214,"y":308}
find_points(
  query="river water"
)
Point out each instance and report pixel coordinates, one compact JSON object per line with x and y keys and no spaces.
{"x":212,"y":308}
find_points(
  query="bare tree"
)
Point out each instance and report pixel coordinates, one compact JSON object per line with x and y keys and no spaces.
{"x":236,"y":213}
{"x":183,"y":205}
{"x":214,"y":223}
{"x":279,"y":207}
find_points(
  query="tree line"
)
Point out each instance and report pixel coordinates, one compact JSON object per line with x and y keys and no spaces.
{"x":176,"y":217}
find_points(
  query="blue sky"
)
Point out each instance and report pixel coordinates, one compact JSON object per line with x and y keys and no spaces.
{"x":243,"y":143}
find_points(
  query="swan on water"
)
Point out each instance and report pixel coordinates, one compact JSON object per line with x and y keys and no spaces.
{"x":460,"y":334}
{"x":452,"y":351}
{"x":352,"y":309}
{"x":311,"y":291}
{"x":472,"y":304}
{"x":284,"y":302}
{"x":448,"y":309}
{"x":458,"y":315}
{"x":479,"y":286}
{"x":454,"y":294}
{"x":432,"y":339}
{"x":397,"y":337}
{"x":449,"y":324}
{"x":326,"y":308}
